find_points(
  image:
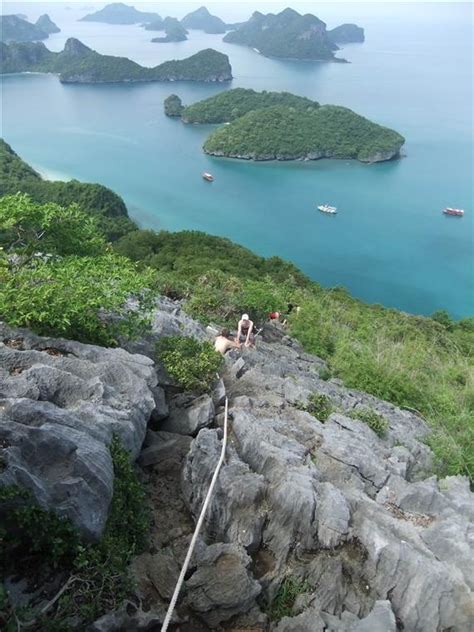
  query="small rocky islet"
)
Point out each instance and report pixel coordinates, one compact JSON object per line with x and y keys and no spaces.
{"x":283,"y":126}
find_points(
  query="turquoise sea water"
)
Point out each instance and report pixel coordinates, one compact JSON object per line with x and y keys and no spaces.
{"x":389,"y":243}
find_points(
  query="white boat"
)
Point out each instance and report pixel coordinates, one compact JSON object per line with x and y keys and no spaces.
{"x":457,"y":212}
{"x":325,"y":208}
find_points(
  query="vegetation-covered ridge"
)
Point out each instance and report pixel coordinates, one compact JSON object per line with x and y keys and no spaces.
{"x":79,"y":64}
{"x":232,"y":104}
{"x":287,"y":35}
{"x":426,"y":364}
{"x":94,"y":199}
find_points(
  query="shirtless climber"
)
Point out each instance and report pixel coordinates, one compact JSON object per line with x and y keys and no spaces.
{"x":223,"y":342}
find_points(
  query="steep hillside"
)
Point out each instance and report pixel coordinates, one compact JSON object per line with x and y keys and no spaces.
{"x":344,"y":499}
{"x":94,"y":199}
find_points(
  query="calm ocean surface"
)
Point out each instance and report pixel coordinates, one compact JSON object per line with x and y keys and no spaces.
{"x":389,"y":243}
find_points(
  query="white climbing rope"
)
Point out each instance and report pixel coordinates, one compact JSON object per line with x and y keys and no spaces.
{"x":202,"y":515}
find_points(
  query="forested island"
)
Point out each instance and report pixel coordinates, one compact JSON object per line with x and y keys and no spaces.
{"x":120,"y":13}
{"x":16,"y":29}
{"x":347,"y":34}
{"x":174,"y":31}
{"x":79,"y":64}
{"x":202,"y":20}
{"x":46,"y":24}
{"x":284,"y":126}
{"x":287,"y":35}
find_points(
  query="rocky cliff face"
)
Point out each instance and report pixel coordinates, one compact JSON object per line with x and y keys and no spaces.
{"x":355,"y":521}
{"x":60,"y":404}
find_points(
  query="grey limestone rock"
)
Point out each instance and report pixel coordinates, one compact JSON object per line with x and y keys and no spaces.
{"x":352,"y":513}
{"x":188,"y":415}
{"x":60,"y":403}
{"x":221,"y":587}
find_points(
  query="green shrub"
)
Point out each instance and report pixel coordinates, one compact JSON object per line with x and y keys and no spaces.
{"x":27,"y":227}
{"x":192,"y":364}
{"x":72,"y":297}
{"x":318,"y":405}
{"x":325,"y":374}
{"x":377,"y":422}
{"x":290,"y":589}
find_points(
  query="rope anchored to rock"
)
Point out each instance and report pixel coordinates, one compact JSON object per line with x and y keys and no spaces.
{"x":199,"y":523}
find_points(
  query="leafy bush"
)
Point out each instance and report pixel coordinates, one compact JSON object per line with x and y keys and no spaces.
{"x":377,"y":422}
{"x":290,"y":589}
{"x":99,"y":578}
{"x":27,"y":227}
{"x":325,"y":374}
{"x":191,"y":363}
{"x":77,"y":297}
{"x":94,"y":199}
{"x":318,"y":405}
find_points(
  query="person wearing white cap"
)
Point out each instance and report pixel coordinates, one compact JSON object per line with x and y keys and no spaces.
{"x":244,"y":330}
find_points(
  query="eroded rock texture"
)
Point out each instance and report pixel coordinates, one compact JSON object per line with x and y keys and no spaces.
{"x":60,"y":404}
{"x":354,"y":517}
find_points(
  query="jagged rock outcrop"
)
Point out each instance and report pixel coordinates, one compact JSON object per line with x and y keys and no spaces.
{"x":60,"y":404}
{"x":374,"y":541}
{"x":352,"y":514}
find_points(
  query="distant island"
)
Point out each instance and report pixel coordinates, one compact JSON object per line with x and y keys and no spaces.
{"x":119,"y":13}
{"x":79,"y":64}
{"x":16,"y":29}
{"x":202,"y":20}
{"x":155,"y":25}
{"x":174,"y":31}
{"x":288,"y":35}
{"x":46,"y":24}
{"x":347,"y":34}
{"x":284,"y":126}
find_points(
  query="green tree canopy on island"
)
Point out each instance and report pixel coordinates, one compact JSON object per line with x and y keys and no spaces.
{"x":231,"y":104}
{"x":283,"y":132}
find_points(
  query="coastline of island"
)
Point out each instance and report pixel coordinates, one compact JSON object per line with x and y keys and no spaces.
{"x":77,"y":63}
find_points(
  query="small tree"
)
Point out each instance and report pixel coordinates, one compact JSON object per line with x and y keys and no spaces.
{"x":191,"y":363}
{"x":27,"y":227}
{"x":72,"y":296}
